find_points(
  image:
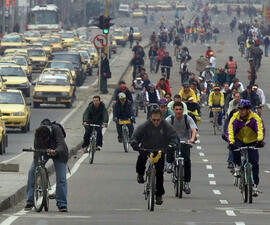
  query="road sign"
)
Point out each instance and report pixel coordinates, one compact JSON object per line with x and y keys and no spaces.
{"x":100,"y":41}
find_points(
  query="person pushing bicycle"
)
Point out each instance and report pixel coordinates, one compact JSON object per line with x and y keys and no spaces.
{"x":246,"y":129}
{"x":155,"y":133}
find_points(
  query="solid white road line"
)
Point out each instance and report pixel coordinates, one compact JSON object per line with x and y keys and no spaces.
{"x":211,"y":175}
{"x":205,"y":160}
{"x":230,"y":213}
{"x":212,"y":182}
{"x":223,"y":202}
{"x":240,"y":223}
{"x":201,"y":154}
{"x":216,"y":192}
{"x":209,"y":167}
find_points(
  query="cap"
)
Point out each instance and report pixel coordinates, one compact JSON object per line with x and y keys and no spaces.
{"x":163,"y":101}
{"x":122,"y":95}
{"x":186,"y":84}
{"x":255,"y":87}
{"x":244,"y":104}
{"x":138,"y":78}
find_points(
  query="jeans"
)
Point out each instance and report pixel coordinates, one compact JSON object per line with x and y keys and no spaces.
{"x":140,"y":169}
{"x":87,"y":135}
{"x":61,"y":183}
{"x":266,"y":50}
{"x":230,"y":156}
{"x":119,"y":129}
{"x":158,"y":63}
{"x":152,"y":60}
{"x":168,"y":70}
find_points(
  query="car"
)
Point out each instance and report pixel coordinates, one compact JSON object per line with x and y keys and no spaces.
{"x":124,"y":10}
{"x":68,"y":38}
{"x":55,"y":71}
{"x":15,"y":78}
{"x":32,"y":36}
{"x":113,"y":45}
{"x":120,"y":37}
{"x":87,"y":59}
{"x":93,"y":53}
{"x":14,"y":110}
{"x":3,"y":136}
{"x":164,"y":6}
{"x":76,"y":59}
{"x":46,"y":46}
{"x":16,"y":51}
{"x":82,"y":32}
{"x":38,"y":58}
{"x":55,"y":42}
{"x":180,"y":6}
{"x":138,"y":13}
{"x":12,"y":40}
{"x":53,"y":89}
{"x":137,"y":34}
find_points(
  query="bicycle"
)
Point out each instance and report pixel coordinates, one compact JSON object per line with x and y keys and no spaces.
{"x":138,"y":101}
{"x":178,"y":171}
{"x":42,"y":184}
{"x":150,"y":178}
{"x":215,"y":111}
{"x":125,"y":133}
{"x":92,"y":147}
{"x":246,"y":176}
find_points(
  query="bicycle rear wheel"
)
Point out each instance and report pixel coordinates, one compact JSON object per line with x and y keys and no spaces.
{"x":152,"y":188}
{"x":249,"y":183}
{"x":92,"y":150}
{"x":243,"y":186}
{"x":125,"y":135}
{"x":41,"y":190}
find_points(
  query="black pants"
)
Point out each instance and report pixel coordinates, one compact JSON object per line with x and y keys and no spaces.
{"x":119,"y":129}
{"x":140,"y":169}
{"x":166,"y":71}
{"x":158,"y":63}
{"x":87,"y":134}
{"x":253,"y":156}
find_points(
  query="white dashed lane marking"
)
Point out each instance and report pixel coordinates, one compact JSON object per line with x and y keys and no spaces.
{"x":212,"y":182}
{"x":211,"y":175}
{"x":205,"y":160}
{"x":209,"y":167}
{"x":199,"y":147}
{"x":223,"y":202}
{"x":201,"y":154}
{"x":216,"y":192}
{"x":230,"y":213}
{"x":240,"y":223}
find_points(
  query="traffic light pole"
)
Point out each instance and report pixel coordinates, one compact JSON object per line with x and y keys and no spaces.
{"x":106,"y":50}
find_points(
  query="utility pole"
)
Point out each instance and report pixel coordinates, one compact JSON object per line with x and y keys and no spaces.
{"x":106,"y":15}
{"x":3,"y":18}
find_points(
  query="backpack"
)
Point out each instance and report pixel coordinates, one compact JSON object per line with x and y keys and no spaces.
{"x":186,"y":123}
{"x":49,"y":124}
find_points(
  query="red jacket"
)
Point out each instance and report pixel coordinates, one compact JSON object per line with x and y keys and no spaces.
{"x":165,"y":86}
{"x":160,"y":53}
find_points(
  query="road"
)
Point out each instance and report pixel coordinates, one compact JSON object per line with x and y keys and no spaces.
{"x":107,"y":192}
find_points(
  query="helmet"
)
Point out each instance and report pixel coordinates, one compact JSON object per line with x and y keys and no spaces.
{"x":186,"y":84}
{"x":163,"y":101}
{"x":123,"y":87}
{"x":151,"y":85}
{"x":121,"y":95}
{"x":244,"y":104}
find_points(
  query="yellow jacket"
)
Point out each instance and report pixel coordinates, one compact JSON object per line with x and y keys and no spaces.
{"x":216,"y":99}
{"x":185,"y":96}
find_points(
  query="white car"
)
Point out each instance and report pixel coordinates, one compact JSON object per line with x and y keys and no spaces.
{"x":124,"y":9}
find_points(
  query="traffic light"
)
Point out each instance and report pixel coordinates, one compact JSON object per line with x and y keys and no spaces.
{"x":106,"y":25}
{"x":100,"y":22}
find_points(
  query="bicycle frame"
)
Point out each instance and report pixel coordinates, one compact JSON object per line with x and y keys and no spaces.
{"x":215,"y":111}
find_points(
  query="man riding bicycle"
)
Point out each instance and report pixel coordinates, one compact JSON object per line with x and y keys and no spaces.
{"x":155,"y":133}
{"x":186,"y":130}
{"x":246,"y":129}
{"x":95,"y":113}
{"x":216,"y":100}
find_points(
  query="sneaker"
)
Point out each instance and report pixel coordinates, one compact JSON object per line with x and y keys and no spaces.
{"x":169,"y":168}
{"x":159,"y":200}
{"x":255,"y":190}
{"x":187,"y":189}
{"x":230,"y":165}
{"x":85,"y":150}
{"x":28,"y":207}
{"x":62,"y":209}
{"x":98,"y":148}
{"x":119,"y":139}
{"x":140,"y":179}
{"x":236,"y":171}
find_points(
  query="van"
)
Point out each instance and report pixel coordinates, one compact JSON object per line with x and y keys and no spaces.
{"x":124,"y":9}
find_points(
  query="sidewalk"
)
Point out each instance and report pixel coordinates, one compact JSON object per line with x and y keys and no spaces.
{"x":13,"y":184}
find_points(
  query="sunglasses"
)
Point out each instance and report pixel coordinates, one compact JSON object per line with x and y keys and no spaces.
{"x":156,"y":120}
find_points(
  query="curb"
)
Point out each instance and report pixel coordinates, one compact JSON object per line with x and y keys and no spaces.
{"x":20,"y":194}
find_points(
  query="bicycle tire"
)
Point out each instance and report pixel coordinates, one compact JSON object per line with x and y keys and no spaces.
{"x":180,"y":180}
{"x":243,"y":186}
{"x":137,"y":109}
{"x":125,"y":135}
{"x":40,"y":189}
{"x":175,"y":181}
{"x":46,"y":200}
{"x":92,"y":150}
{"x":249,"y":184}
{"x":152,"y":187}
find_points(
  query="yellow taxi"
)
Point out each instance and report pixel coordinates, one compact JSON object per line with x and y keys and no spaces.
{"x":3,"y":136}
{"x":46,"y":46}
{"x":65,"y":71}
{"x":16,"y":51}
{"x":38,"y":58}
{"x":15,"y":78}
{"x":180,"y":6}
{"x":87,"y":59}
{"x":138,"y":13}
{"x":137,"y":34}
{"x":141,"y":5}
{"x":68,"y":38}
{"x":32,"y":36}
{"x":14,"y":109}
{"x":82,"y":32}
{"x":53,"y":89}
{"x":55,"y":43}
{"x":164,"y":6}
{"x":93,"y":53}
{"x":12,"y":40}
{"x":120,"y":37}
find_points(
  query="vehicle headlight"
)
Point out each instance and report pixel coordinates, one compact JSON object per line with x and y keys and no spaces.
{"x":38,"y":94}
{"x":17,"y":114}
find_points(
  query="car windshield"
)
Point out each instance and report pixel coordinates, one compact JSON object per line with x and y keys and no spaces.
{"x":11,"y":98}
{"x":136,"y":29}
{"x":32,"y":34}
{"x":36,"y":52}
{"x":11,"y":39}
{"x":60,"y":65}
{"x":12,"y":71}
{"x":85,"y":55}
{"x":137,"y":10}
{"x":67,"y":35}
{"x":117,"y":33}
{"x":54,"y":40}
{"x":8,"y":63}
{"x":67,"y":57}
{"x":82,"y":32}
{"x":52,"y":80}
{"x":43,"y":17}
{"x":43,"y":43}
{"x":20,"y":61}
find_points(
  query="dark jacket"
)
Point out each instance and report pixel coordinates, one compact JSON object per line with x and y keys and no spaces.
{"x":105,"y":68}
{"x":253,"y":98}
{"x":137,"y":62}
{"x":95,"y":115}
{"x":152,"y":52}
{"x":166,"y":61}
{"x":57,"y":142}
{"x":123,"y":111}
{"x":151,"y":137}
{"x":127,"y":92}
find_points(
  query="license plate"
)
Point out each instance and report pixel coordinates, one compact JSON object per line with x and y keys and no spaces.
{"x":51,"y":99}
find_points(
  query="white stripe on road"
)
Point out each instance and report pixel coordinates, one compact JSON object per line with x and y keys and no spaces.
{"x":267,"y":171}
{"x":74,"y":169}
{"x":240,"y":223}
{"x":197,"y":135}
{"x":223,"y":202}
{"x":230,"y":213}
{"x":84,"y":87}
{"x":216,"y":192}
{"x":205,"y":160}
{"x":198,"y":142}
{"x":199,"y":147}
{"x":209,"y":167}
{"x":268,"y":105}
{"x":201,"y":154}
{"x":212,"y":182}
{"x":211,"y":175}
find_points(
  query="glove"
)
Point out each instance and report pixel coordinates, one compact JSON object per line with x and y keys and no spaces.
{"x":135,"y":147}
{"x":115,"y":119}
{"x":259,"y":144}
{"x":172,"y":147}
{"x":231,"y":147}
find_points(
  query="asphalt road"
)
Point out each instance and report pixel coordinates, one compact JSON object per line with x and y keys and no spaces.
{"x":107,"y":192}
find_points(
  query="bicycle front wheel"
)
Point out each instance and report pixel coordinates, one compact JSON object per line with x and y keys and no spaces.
{"x":180,"y":180}
{"x":152,"y":188}
{"x":125,"y":135}
{"x":92,"y":150}
{"x":249,"y":183}
{"x":243,"y":186}
{"x":40,"y":190}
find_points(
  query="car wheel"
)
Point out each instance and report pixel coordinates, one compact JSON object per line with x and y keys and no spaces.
{"x":28,"y":126}
{"x":2,"y":147}
{"x":69,"y":105}
{"x":27,"y":93}
{"x":24,"y":129}
{"x":36,"y":105}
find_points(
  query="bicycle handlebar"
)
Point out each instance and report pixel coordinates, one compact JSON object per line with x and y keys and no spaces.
{"x":93,"y":125}
{"x":245,"y":148}
{"x":186,"y":143}
{"x":35,"y":150}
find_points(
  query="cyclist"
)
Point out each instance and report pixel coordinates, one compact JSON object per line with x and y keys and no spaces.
{"x":193,"y":110}
{"x":187,"y":92}
{"x":178,"y":98}
{"x":155,"y":133}
{"x":216,"y":100}
{"x":251,"y":95}
{"x":186,"y":130}
{"x":95,"y":113}
{"x":122,"y":88}
{"x":50,"y":136}
{"x":166,"y":65}
{"x":260,"y":93}
{"x":137,"y":89}
{"x":152,"y":54}
{"x":221,"y":77}
{"x":151,"y":97}
{"x":237,"y":85}
{"x":137,"y":62}
{"x":123,"y":110}
{"x":246,"y":129}
{"x":164,"y":84}
{"x":231,"y":67}
{"x":207,"y":52}
{"x":177,"y":44}
{"x":160,"y":55}
{"x":163,"y":106}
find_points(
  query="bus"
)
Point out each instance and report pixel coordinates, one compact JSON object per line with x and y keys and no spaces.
{"x":44,"y":18}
